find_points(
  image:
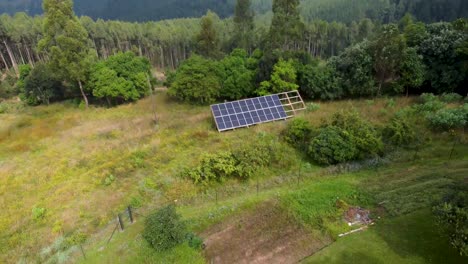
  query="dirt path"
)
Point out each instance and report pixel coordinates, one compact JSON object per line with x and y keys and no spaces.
{"x":263,"y":235}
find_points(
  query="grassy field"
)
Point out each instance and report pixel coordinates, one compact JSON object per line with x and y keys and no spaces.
{"x":78,"y":168}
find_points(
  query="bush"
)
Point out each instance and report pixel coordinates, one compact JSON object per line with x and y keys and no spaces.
{"x":197,"y":81}
{"x":332,"y":145}
{"x":399,"y":132}
{"x":363,"y":135}
{"x":298,"y":132}
{"x":447,"y":119}
{"x":121,"y":78}
{"x":251,"y":158}
{"x":452,"y":216}
{"x":38,"y":213}
{"x":312,"y":107}
{"x":451,"y":97}
{"x":429,"y":103}
{"x":194,"y":241}
{"x":319,"y":82}
{"x":164,"y":230}
{"x":214,"y":167}
{"x":41,"y":86}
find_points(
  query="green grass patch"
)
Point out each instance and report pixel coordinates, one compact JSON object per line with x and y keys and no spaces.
{"x":408,"y":239}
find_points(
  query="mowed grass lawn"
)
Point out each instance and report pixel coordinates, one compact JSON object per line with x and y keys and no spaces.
{"x":412,"y":239}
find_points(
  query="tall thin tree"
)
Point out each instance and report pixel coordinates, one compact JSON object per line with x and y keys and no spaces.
{"x":66,"y":42}
{"x":244,"y":25}
{"x":286,"y":26}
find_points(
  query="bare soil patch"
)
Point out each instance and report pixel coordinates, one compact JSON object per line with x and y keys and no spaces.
{"x":265,"y":234}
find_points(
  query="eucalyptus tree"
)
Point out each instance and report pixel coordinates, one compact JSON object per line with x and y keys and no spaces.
{"x":66,"y":42}
{"x":244,"y":25}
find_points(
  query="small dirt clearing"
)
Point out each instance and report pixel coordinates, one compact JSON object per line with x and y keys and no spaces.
{"x":265,"y":234}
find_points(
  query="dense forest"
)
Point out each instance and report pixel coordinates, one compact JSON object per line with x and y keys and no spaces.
{"x":330,"y":10}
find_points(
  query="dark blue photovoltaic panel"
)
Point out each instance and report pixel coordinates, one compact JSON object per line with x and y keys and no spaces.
{"x":248,"y":112}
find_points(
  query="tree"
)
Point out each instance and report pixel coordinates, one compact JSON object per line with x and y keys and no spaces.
{"x":354,"y":69}
{"x":238,"y":80}
{"x":332,"y":145}
{"x":320,"y":82}
{"x":286,"y":26}
{"x":387,"y":51}
{"x":66,"y":42}
{"x":244,"y":25}
{"x":164,"y":229}
{"x":41,"y":86}
{"x":439,"y":50}
{"x":208,"y":43}
{"x":122,"y":77}
{"x":283,"y":79}
{"x":197,"y":80}
{"x":412,"y":71}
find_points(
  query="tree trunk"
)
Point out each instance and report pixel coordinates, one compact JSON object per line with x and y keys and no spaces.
{"x":12,"y":58}
{"x":4,"y":62}
{"x":83,"y":94}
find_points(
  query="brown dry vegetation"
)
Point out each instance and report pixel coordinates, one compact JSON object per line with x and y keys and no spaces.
{"x":264,"y":234}
{"x":59,"y":158}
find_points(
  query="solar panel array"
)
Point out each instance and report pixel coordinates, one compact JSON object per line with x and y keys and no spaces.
{"x":248,"y":112}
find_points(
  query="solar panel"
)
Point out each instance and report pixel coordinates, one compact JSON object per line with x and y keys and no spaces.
{"x":248,"y":112}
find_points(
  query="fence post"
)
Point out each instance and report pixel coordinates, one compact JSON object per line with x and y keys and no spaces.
{"x":130,"y":214}
{"x":82,"y":251}
{"x":119,"y":217}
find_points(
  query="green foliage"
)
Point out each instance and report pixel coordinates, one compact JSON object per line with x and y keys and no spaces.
{"x":366,"y":138}
{"x":332,"y":145}
{"x":41,"y":86}
{"x":214,"y":168}
{"x":66,"y":42}
{"x":109,"y":180}
{"x":354,"y":69}
{"x":440,"y":56}
{"x":319,"y":82}
{"x":286,"y":25}
{"x":122,"y":77}
{"x":283,"y":79}
{"x":164,"y":229}
{"x":197,"y":80}
{"x":451,"y":97}
{"x":399,"y":131}
{"x":452,"y":216}
{"x":10,"y":86}
{"x":243,"y":36}
{"x":312,"y":107}
{"x":446,"y":119}
{"x":299,"y":132}
{"x":207,"y":39}
{"x":194,"y":241}
{"x":412,"y":71}
{"x":38,"y":213}
{"x":429,"y":103}
{"x":238,"y":80}
{"x":388,"y":50}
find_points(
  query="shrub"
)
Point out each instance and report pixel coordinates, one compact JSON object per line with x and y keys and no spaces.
{"x":164,"y":229}
{"x":214,"y":167}
{"x":194,"y":241}
{"x":298,"y":132}
{"x":363,"y":135}
{"x":429,"y":103}
{"x":251,"y":158}
{"x":447,"y":119}
{"x":197,"y":80}
{"x":38,"y":213}
{"x":451,"y":97}
{"x":120,"y":78}
{"x":319,"y":82}
{"x":399,"y":132}
{"x":452,"y":216}
{"x":41,"y":86}
{"x":427,"y":97}
{"x":332,"y":145}
{"x":312,"y":107}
